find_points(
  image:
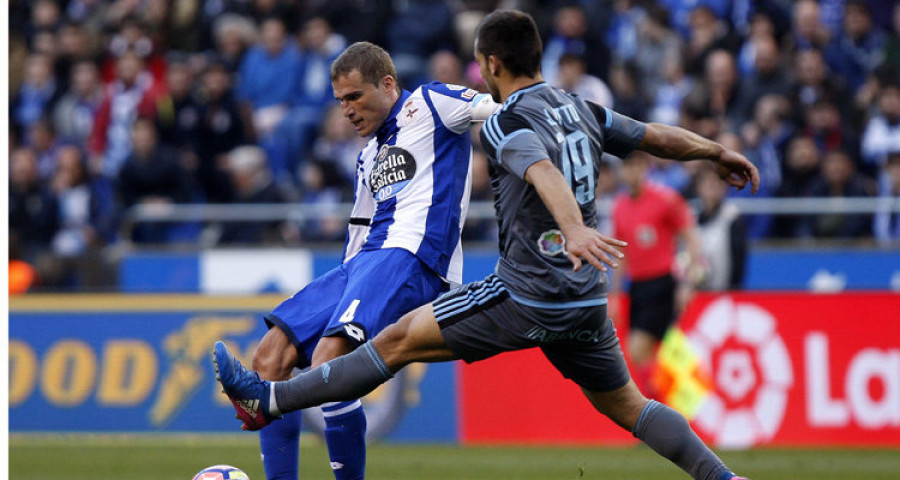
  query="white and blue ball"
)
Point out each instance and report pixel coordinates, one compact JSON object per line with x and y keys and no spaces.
{"x":221,"y":472}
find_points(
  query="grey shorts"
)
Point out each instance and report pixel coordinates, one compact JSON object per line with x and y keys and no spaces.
{"x":479,"y":320}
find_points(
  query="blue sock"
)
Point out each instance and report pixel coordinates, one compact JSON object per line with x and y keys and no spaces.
{"x":345,"y":434}
{"x":280,"y":446}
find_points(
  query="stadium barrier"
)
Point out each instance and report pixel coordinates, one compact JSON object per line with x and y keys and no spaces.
{"x":748,"y":369}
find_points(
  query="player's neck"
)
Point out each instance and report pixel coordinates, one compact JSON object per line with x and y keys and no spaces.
{"x":513,"y":84}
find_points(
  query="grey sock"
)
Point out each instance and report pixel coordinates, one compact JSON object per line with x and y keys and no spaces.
{"x":347,"y":377}
{"x":669,"y":434}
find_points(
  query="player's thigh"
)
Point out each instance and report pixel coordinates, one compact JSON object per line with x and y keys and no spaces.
{"x":416,"y":337}
{"x":652,"y":307}
{"x":275,"y":356}
{"x":330,"y":348}
{"x":479,"y":320}
{"x":588,"y":352}
{"x":303,"y":317}
{"x":382,"y":286}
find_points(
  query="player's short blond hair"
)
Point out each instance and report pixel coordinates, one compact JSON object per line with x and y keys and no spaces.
{"x":372,"y":61}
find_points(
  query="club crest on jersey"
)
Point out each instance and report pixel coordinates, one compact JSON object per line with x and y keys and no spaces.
{"x":394,"y":169}
{"x":552,"y":242}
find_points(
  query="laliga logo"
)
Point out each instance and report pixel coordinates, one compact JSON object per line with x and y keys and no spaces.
{"x":752,"y":371}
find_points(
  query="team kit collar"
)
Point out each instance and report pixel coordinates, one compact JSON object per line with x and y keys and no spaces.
{"x":389,"y":127}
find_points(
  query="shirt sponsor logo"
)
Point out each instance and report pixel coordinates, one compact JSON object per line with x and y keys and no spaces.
{"x":552,"y":242}
{"x":394,"y":169}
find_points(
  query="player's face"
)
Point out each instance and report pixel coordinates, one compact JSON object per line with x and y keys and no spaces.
{"x":364,"y":104}
{"x":489,"y":79}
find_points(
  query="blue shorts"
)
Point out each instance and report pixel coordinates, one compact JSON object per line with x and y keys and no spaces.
{"x":356,"y":300}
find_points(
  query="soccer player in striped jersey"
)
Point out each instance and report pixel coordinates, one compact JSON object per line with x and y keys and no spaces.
{"x":549,"y":288}
{"x":403,"y":247}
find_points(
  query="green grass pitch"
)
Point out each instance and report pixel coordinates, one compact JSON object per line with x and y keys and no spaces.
{"x":165,"y":457}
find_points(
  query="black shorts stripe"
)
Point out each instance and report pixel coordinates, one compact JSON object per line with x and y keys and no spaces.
{"x":360,"y":221}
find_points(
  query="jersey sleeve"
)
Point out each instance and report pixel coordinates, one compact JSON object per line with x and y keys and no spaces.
{"x":509,"y":139}
{"x":458,"y":107}
{"x":621,"y":134}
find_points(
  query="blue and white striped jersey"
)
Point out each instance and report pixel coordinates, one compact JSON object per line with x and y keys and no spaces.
{"x":414,"y":177}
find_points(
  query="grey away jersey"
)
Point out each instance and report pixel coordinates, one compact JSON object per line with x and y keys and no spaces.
{"x":536,"y":123}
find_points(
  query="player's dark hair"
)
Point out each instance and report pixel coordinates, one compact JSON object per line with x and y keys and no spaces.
{"x":372,"y":61}
{"x":513,"y":37}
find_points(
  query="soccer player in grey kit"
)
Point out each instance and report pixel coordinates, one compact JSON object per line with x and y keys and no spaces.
{"x":545,"y":146}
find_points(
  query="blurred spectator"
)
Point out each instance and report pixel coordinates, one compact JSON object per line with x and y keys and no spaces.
{"x":669,"y":174}
{"x":761,"y":28}
{"x":268,"y":78}
{"x":882,"y":134}
{"x":339,"y":144}
{"x":723,"y":235}
{"x":177,"y":111}
{"x":829,"y":130}
{"x":445,"y":67}
{"x":707,"y":34}
{"x":42,"y":139}
{"x":892,"y":45}
{"x":37,"y":94}
{"x":657,"y":45}
{"x":808,"y":31}
{"x":411,"y":43}
{"x":32,"y":207}
{"x":682,"y":12}
{"x":812,"y":83}
{"x":90,"y":13}
{"x":132,"y":36}
{"x":838,"y":178}
{"x":86,"y":206}
{"x":668,"y":97}
{"x":887,"y":220}
{"x":45,"y":16}
{"x":151,"y":175}
{"x":75,"y":46}
{"x":859,"y":47}
{"x":133,"y":93}
{"x":571,"y":34}
{"x":767,"y":77}
{"x":234,"y":35}
{"x":322,"y":187}
{"x":716,"y":95}
{"x":628,"y":94}
{"x":252,"y":183}
{"x":220,"y":130}
{"x":801,"y":169}
{"x":622,"y":34}
{"x":73,"y":116}
{"x":294,"y":136}
{"x":357,"y":20}
{"x":573,"y":78}
{"x":769,"y":133}
{"x":86,"y":222}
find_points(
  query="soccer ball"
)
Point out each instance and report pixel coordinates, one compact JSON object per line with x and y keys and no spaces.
{"x":221,"y":472}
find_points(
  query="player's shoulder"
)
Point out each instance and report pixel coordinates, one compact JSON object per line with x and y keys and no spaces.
{"x":458,"y":92}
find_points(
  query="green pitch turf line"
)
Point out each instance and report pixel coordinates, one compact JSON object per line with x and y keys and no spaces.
{"x":162,"y":457}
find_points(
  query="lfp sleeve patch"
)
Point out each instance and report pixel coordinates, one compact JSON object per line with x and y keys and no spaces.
{"x":394,"y":169}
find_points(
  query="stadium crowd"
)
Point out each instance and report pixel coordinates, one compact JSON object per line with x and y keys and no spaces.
{"x":117,"y":103}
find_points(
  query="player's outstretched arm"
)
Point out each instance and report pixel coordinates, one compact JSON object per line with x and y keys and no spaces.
{"x":679,"y":144}
{"x":582,"y":242}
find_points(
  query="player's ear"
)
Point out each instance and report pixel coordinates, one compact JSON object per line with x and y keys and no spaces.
{"x":494,"y":65}
{"x":389,"y":83}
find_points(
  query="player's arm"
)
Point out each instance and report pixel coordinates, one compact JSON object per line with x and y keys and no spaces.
{"x":582,"y":242}
{"x":676,"y":143}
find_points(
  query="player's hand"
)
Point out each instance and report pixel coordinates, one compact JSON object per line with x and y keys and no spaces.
{"x":587,"y":243}
{"x":736,"y":170}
